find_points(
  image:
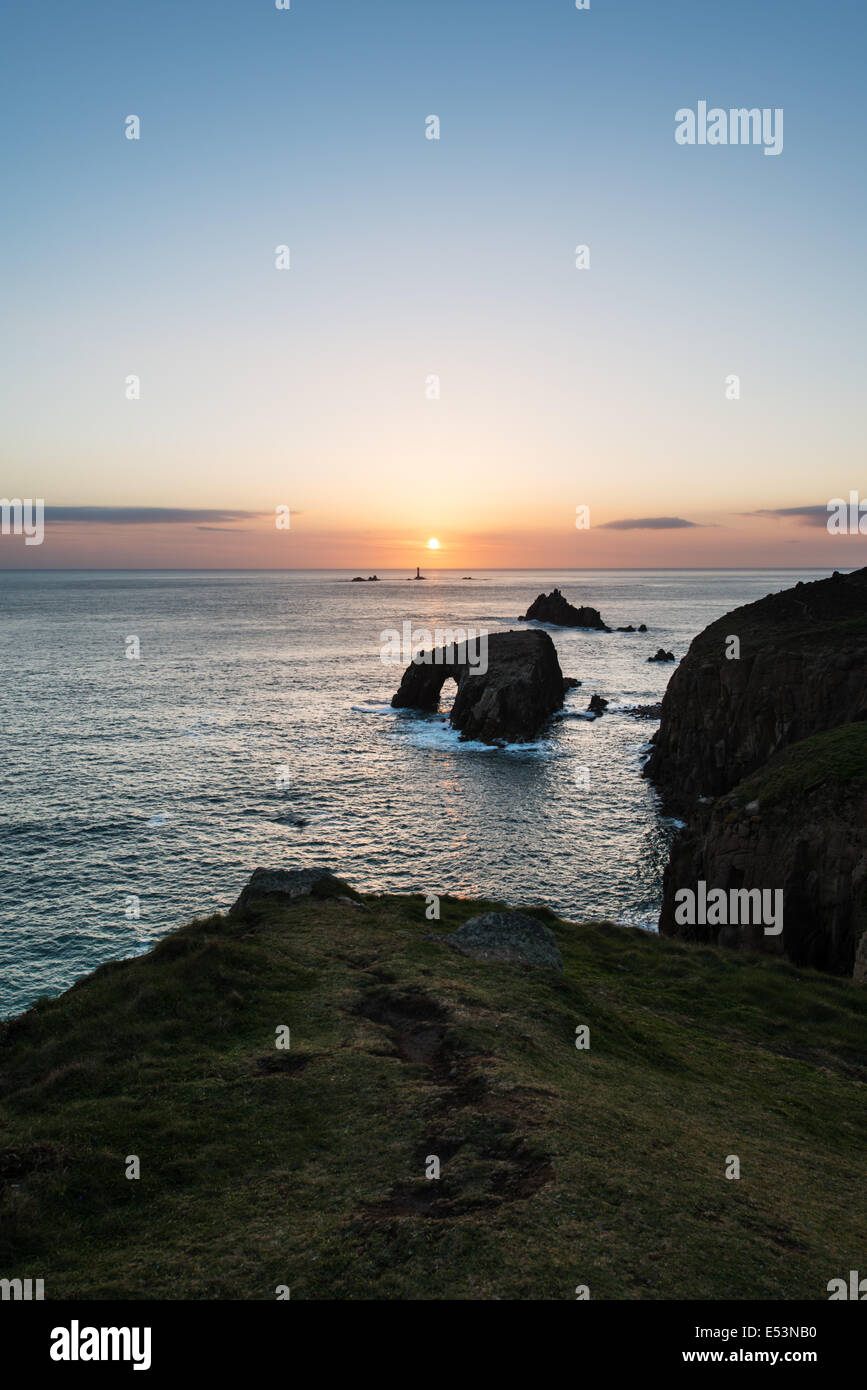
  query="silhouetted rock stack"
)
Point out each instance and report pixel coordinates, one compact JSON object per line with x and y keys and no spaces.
{"x":509,"y":702}
{"x":554,"y":608}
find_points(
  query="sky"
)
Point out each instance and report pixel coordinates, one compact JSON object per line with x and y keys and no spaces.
{"x":432,"y":363}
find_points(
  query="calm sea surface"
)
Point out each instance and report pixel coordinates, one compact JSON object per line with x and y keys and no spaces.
{"x":254,"y":729}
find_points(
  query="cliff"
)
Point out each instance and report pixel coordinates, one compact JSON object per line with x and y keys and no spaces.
{"x":798,"y":824}
{"x":802,"y":668}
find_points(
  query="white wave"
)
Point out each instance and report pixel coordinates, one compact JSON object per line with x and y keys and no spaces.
{"x":562,"y":627}
{"x":140,"y":948}
{"x":644,"y":921}
{"x":439,"y":735}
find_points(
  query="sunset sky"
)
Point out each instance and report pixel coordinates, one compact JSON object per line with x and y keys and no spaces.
{"x":412,"y":258}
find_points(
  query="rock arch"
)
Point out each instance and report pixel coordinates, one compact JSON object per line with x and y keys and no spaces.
{"x":509,"y":700}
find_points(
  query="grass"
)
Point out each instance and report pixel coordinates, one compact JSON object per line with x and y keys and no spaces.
{"x":559,"y":1167}
{"x":835,"y":756}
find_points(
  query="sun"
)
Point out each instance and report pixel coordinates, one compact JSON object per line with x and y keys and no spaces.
{"x":433,"y":543}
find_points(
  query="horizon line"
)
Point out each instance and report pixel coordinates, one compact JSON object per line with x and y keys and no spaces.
{"x":335,"y":569}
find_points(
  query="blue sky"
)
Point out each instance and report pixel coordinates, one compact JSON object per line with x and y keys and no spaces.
{"x":412,"y":257}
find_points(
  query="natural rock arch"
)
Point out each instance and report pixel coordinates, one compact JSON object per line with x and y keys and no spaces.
{"x":505,"y":697}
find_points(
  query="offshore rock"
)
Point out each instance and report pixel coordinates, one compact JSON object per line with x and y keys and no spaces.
{"x":555,"y":609}
{"x":509,"y":702}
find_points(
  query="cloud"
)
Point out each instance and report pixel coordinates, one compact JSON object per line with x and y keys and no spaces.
{"x":810,"y":516}
{"x":648,"y":523}
{"x":146,"y":516}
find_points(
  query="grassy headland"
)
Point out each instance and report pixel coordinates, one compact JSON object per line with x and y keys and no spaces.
{"x":560,"y":1167}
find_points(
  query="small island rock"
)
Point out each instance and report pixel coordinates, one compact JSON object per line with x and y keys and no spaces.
{"x":555,"y":609}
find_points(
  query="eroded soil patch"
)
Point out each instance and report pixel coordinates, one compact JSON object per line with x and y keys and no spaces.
{"x":283,"y":1063}
{"x":484,"y":1160}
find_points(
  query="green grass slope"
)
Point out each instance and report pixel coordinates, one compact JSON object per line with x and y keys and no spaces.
{"x":835,"y":757}
{"x":559,"y":1167}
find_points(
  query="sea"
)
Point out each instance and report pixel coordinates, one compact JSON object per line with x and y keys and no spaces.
{"x":168,"y":732}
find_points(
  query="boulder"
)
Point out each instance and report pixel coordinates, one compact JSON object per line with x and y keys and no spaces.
{"x":597,"y":705}
{"x":662,"y":655}
{"x":508,"y":936}
{"x":555,"y":609}
{"x":509,"y":701}
{"x":288,"y":885}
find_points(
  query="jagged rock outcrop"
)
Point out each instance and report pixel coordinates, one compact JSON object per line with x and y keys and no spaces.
{"x":662,"y":655}
{"x":799,"y":824}
{"x":287,"y":885}
{"x":802,"y":668}
{"x":554,"y":608}
{"x":643,"y":711}
{"x":509,"y":701}
{"x":508,"y":936}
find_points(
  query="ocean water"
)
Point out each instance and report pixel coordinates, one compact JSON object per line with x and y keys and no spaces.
{"x":254,"y":728}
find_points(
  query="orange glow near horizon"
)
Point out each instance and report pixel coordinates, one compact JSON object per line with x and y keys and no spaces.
{"x":724,"y":540}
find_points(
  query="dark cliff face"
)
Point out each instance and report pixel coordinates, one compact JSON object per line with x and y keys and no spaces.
{"x":798,"y":825}
{"x":802,"y":668}
{"x":510,"y":701}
